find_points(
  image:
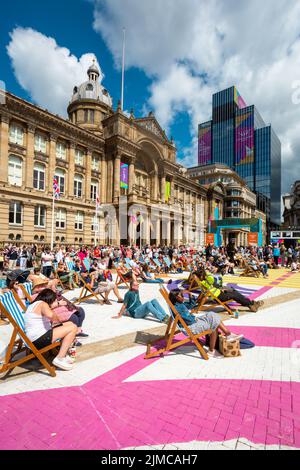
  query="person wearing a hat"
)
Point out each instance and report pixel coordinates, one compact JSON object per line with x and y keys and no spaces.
{"x":37,"y":275}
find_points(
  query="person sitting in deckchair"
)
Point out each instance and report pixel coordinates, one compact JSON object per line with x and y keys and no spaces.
{"x":208,"y":321}
{"x":99,"y":285}
{"x":65,"y":275}
{"x":38,"y":327}
{"x":224,"y":294}
{"x":37,"y":276}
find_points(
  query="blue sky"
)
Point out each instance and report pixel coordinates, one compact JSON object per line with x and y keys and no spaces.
{"x":59,"y":20}
{"x":179,"y":52}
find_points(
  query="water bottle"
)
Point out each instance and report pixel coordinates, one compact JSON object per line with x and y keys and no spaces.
{"x":236,"y":314}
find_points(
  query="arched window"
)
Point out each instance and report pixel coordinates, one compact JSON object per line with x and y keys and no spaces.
{"x":11,"y":236}
{"x":16,"y":134}
{"x":39,"y":177}
{"x":60,"y":176}
{"x":18,"y":237}
{"x":89,"y":87}
{"x":15,"y":170}
{"x":78,"y":181}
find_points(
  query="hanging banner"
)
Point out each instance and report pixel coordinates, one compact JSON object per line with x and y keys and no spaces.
{"x":210,"y":239}
{"x":124,"y":176}
{"x":168,"y":190}
{"x":252,"y":239}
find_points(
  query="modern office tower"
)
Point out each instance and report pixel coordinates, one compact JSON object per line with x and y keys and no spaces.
{"x":238,"y":137}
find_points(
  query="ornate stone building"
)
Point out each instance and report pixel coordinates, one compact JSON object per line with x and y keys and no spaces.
{"x":237,"y":203}
{"x":291,"y":203}
{"x":156,"y":202}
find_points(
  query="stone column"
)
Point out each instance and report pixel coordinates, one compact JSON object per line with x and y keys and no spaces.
{"x":131,"y":177}
{"x":29,"y":157}
{"x":117,"y":176}
{"x":88,"y":176}
{"x":163,"y":189}
{"x":4,"y":215}
{"x":4,"y":138}
{"x":109,"y":181}
{"x":52,"y":162}
{"x":103,"y":184}
{"x":71,"y":173}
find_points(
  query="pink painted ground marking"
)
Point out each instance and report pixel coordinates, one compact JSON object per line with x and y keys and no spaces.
{"x":107,"y":413}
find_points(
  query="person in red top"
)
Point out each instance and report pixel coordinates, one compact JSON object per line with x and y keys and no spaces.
{"x":97,"y":253}
{"x":82,"y":254}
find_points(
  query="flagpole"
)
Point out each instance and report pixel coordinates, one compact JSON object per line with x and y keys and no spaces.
{"x":123,"y":70}
{"x":53,"y":216}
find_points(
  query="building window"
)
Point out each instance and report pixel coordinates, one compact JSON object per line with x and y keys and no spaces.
{"x":40,"y":144}
{"x":78,"y":186}
{"x":61,"y":217}
{"x":15,"y":170}
{"x":16,"y":135}
{"x":15,"y":213}
{"x":95,"y":163}
{"x":40,"y":216}
{"x":95,"y":224}
{"x":79,"y":157}
{"x":39,"y":177}
{"x":79,"y":221}
{"x":61,"y":178}
{"x":94,"y":190}
{"x":61,"y":151}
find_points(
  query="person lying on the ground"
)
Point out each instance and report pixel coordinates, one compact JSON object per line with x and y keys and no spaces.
{"x":209,"y":321}
{"x":38,"y":319}
{"x":226,"y":293}
{"x":134,"y":308}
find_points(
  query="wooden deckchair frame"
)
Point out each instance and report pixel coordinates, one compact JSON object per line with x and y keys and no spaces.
{"x":87,"y":293}
{"x":249,"y":271}
{"x":174,"y":329}
{"x":120,"y":278}
{"x":206,"y":295}
{"x":23,"y":345}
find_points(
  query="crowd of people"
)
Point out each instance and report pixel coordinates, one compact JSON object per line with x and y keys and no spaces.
{"x":51,"y":316}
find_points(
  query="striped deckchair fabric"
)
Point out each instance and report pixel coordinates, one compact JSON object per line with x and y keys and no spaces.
{"x":87,"y":264}
{"x":10,"y":304}
{"x":15,"y":315}
{"x":70,"y":265}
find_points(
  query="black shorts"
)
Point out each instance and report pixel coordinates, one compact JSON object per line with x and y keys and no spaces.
{"x":44,"y":341}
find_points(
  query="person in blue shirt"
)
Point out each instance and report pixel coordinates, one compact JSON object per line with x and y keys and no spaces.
{"x":134,"y":308}
{"x":202,"y":323}
{"x":276,"y":254}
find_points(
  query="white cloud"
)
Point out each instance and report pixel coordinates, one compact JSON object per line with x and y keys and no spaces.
{"x":45,"y":70}
{"x":192,"y":48}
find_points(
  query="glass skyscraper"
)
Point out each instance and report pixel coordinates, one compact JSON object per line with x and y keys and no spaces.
{"x":237,"y":136}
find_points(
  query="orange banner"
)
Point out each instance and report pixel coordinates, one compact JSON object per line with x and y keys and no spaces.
{"x":210,"y":239}
{"x":252,"y":238}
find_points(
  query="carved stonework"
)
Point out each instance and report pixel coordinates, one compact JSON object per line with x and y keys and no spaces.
{"x":17,"y":149}
{"x":152,"y":126}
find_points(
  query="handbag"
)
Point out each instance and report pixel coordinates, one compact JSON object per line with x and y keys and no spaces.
{"x":229,"y":349}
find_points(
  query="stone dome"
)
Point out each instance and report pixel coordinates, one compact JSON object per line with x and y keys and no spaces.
{"x":92,"y":89}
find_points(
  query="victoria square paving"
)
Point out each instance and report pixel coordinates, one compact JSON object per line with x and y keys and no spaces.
{"x":145,"y":303}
